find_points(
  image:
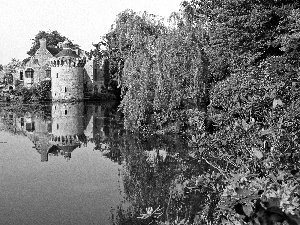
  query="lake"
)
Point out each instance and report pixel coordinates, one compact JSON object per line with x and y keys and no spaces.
{"x":51,"y":170}
{"x":73,"y":163}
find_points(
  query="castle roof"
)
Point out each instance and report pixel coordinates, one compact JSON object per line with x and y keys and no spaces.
{"x":32,"y":62}
{"x":53,"y":50}
{"x":29,"y":69}
{"x":67,"y":52}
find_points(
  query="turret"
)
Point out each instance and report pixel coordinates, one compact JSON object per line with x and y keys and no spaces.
{"x":67,"y":74}
{"x":67,"y":126}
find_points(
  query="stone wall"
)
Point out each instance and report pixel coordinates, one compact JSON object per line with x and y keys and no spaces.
{"x":67,"y":119}
{"x":67,"y":83}
{"x":89,"y":76}
{"x":40,"y":62}
{"x":93,"y":77}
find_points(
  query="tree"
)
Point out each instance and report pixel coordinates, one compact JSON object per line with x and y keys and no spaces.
{"x":106,"y":73}
{"x":248,"y":52}
{"x":1,"y":67}
{"x":12,"y":65}
{"x":52,"y":37}
{"x":243,"y":33}
{"x":164,"y":70}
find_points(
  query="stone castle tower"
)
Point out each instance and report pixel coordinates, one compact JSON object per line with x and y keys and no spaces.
{"x":67,"y":75}
{"x":67,"y":126}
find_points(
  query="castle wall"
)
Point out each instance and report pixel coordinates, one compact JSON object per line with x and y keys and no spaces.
{"x":39,"y":62}
{"x":67,"y":119}
{"x":93,"y":77}
{"x":89,"y":76}
{"x":42,"y":55}
{"x":67,"y":83}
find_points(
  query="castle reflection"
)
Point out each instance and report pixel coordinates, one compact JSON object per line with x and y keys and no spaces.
{"x":60,"y":128}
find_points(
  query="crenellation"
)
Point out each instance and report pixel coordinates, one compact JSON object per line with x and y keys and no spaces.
{"x":73,"y":72}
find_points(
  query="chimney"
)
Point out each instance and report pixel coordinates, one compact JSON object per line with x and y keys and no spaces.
{"x":43,"y":42}
{"x":44,"y":156}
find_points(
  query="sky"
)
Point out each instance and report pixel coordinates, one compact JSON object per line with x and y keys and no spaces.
{"x":83,"y":21}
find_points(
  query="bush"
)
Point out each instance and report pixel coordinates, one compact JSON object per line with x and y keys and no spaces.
{"x":40,"y":92}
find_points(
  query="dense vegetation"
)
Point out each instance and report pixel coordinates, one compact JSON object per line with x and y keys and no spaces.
{"x":227,"y":74}
{"x":37,"y":93}
{"x":52,"y":37}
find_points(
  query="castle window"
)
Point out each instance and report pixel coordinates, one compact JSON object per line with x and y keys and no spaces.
{"x":49,"y":128}
{"x":57,"y":126}
{"x":66,"y":112}
{"x":21,"y":75}
{"x":29,"y":73}
{"x":48,"y":72}
{"x":56,"y":75}
{"x":65,"y":89}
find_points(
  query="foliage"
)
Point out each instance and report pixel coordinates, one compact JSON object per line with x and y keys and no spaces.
{"x":165,"y":70}
{"x":43,"y":91}
{"x":52,"y":37}
{"x":39,"y":92}
{"x":106,"y":73}
{"x":243,"y":33}
{"x":241,"y":57}
{"x":12,"y":66}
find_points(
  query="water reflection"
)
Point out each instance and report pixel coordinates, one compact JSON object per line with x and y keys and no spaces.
{"x":60,"y":128}
{"x":155,"y":169}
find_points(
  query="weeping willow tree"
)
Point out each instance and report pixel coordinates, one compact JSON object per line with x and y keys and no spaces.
{"x":165,"y":69}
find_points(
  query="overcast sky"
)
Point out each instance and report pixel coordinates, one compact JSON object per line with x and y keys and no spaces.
{"x":83,"y":21}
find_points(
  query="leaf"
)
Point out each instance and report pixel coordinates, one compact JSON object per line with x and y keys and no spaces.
{"x":243,"y":98}
{"x":280,"y":122}
{"x":236,"y":98}
{"x":257,"y":153}
{"x":247,"y":209}
{"x":242,"y":192}
{"x":238,"y":161}
{"x":277,"y":102}
{"x":194,"y":138}
{"x":273,"y":94}
{"x":265,"y":132}
{"x":245,"y":125}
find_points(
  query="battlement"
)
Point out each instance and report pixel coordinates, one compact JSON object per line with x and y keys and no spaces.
{"x":67,"y":61}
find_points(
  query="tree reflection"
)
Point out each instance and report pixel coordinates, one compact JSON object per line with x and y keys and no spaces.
{"x":157,"y":171}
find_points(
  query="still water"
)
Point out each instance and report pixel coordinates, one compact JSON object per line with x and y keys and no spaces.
{"x":73,"y":163}
{"x":53,"y":169}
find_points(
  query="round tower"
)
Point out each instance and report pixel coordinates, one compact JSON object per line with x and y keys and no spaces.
{"x":67,"y":126}
{"x":67,"y":75}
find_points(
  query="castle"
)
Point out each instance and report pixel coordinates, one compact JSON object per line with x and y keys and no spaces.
{"x":73,"y":73}
{"x":68,"y":126}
